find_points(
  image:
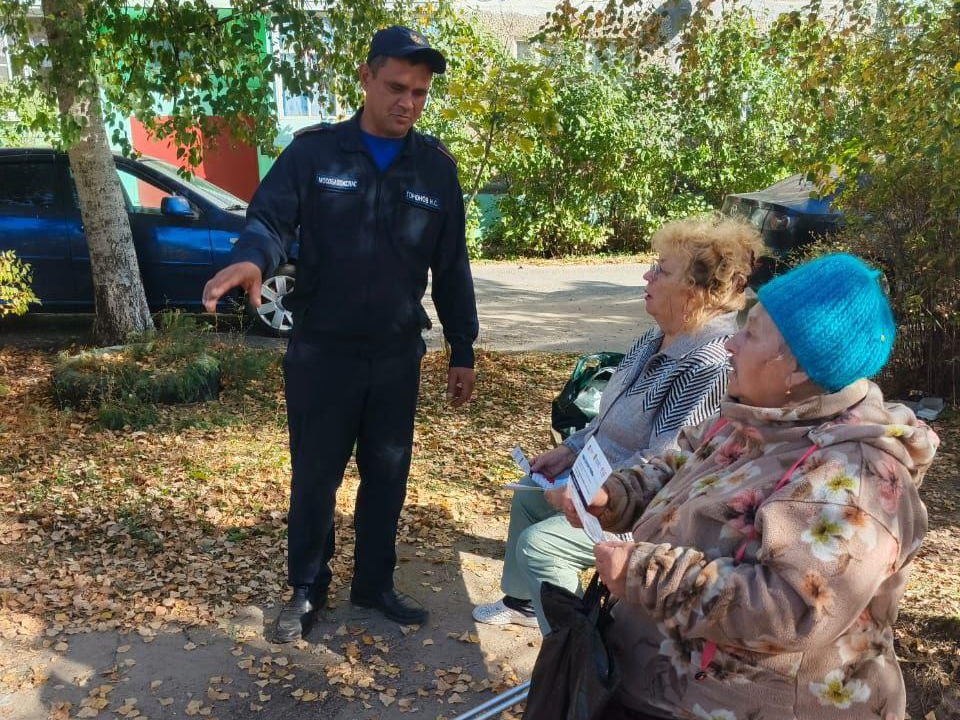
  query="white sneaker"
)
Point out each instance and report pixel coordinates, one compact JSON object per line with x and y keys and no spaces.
{"x":499,"y":614}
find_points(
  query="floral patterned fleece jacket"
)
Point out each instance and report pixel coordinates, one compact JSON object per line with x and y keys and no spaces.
{"x":800,"y":626}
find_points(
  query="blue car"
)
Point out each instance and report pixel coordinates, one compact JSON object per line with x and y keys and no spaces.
{"x":183,"y":231}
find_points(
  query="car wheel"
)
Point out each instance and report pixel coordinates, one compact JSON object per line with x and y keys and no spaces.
{"x":272,"y":317}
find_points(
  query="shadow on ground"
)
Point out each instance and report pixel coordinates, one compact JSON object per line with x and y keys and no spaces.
{"x":353,"y":664}
{"x":140,"y":570}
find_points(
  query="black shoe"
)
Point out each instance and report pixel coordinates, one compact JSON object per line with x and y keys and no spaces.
{"x":394,"y":605}
{"x":298,"y":615}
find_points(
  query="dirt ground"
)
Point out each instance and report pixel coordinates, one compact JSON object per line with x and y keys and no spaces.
{"x":139,"y":569}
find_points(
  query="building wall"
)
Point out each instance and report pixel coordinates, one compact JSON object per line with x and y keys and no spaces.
{"x":226,"y":162}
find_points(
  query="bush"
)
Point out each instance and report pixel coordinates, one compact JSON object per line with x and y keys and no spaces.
{"x":641,"y":145}
{"x":240,"y":366}
{"x":485,"y":105}
{"x":895,"y":160}
{"x":132,"y":372}
{"x":734,"y":106}
{"x":129,"y":412}
{"x":171,"y":366}
{"x":176,"y":364}
{"x":15,"y":278}
{"x":562,"y":184}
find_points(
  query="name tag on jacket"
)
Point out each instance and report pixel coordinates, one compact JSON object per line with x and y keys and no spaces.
{"x":422,"y":199}
{"x":338,"y":183}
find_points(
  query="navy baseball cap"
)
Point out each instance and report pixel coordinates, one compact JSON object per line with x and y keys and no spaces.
{"x":400,"y":42}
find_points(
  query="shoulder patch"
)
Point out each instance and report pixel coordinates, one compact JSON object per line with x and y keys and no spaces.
{"x":435,"y":143}
{"x":319,"y":127}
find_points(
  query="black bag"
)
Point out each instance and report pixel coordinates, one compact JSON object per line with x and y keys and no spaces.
{"x":576,"y":404}
{"x":574,"y":677}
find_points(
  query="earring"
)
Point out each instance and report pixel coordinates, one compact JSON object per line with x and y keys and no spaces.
{"x":686,"y":318}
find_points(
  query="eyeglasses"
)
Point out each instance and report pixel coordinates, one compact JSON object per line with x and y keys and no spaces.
{"x":656,"y":269}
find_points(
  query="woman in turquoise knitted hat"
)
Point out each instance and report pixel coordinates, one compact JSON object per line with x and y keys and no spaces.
{"x":770,"y":552}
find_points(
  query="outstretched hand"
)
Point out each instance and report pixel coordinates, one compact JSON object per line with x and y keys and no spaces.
{"x":243,"y":275}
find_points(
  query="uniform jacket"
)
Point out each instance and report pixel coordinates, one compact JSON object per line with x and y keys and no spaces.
{"x":801,"y":625}
{"x":367,"y":239}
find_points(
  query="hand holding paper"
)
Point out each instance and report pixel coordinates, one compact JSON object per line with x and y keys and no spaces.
{"x":555,"y":462}
{"x":596,"y":507}
{"x":542,"y":481}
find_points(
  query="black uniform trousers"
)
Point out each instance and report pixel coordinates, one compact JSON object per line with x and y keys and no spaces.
{"x":337,"y":397}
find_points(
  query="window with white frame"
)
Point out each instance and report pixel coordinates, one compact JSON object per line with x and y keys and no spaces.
{"x":317,"y":104}
{"x":6,"y":70}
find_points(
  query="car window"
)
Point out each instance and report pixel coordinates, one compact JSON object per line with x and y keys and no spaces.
{"x":212,"y":193}
{"x":141,"y":195}
{"x":28,"y":186}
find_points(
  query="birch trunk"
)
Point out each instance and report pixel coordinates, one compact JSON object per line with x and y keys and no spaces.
{"x":120,"y":301}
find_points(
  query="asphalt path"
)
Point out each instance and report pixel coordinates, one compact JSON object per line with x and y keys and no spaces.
{"x":558,"y":308}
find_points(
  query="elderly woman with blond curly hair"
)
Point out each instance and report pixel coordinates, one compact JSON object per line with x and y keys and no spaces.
{"x":674,"y":375}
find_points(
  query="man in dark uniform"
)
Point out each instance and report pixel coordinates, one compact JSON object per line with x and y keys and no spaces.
{"x":377,"y":205}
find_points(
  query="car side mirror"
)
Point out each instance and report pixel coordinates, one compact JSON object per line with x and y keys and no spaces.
{"x":176,"y":206}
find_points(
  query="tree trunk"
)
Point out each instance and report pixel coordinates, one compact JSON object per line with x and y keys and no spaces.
{"x":120,"y":302}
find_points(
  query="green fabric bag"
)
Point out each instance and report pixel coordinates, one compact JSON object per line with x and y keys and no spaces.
{"x":577,"y":403}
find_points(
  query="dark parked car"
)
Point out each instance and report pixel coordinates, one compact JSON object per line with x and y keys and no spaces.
{"x":183,"y":230}
{"x":789,"y":215}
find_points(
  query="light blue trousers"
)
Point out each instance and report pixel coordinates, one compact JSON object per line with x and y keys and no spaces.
{"x":542,"y":545}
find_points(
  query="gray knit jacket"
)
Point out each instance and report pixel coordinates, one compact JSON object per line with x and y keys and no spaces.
{"x":653,"y":394}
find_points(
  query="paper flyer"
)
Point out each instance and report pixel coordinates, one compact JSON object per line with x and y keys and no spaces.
{"x":587,"y":476}
{"x":543,"y":483}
